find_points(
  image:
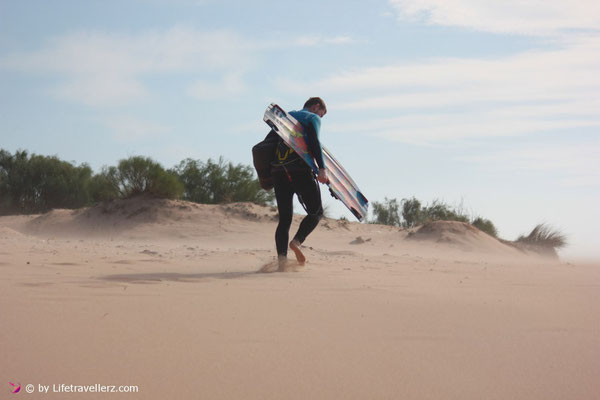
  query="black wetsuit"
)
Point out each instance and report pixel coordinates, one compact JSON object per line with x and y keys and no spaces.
{"x":292,"y":175}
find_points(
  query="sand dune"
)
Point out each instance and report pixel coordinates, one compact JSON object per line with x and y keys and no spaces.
{"x":464,"y":236}
{"x":165,"y":295}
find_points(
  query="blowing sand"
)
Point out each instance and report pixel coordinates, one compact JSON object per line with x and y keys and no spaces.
{"x":165,"y":295}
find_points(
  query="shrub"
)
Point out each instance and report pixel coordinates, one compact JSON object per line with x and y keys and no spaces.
{"x":59,"y":184}
{"x":102,"y":187}
{"x":31,"y":184}
{"x":220,"y":182}
{"x":439,"y":211}
{"x":485,"y":225}
{"x":139,"y":175}
{"x":386,"y":213}
{"x":411,"y":212}
{"x":414,"y":214}
{"x":14,"y":190}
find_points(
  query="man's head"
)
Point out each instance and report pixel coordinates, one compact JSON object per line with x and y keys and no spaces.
{"x":316,"y":105}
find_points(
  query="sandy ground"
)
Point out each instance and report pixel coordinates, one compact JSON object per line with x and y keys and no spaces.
{"x":165,"y":296}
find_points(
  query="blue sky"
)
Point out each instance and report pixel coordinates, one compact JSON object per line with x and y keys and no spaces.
{"x":492,"y":105}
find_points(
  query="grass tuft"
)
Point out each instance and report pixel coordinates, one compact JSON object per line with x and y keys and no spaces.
{"x":544,"y":236}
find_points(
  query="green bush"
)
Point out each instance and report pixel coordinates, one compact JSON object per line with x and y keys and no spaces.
{"x":32,"y":184}
{"x":439,"y":211}
{"x":14,"y":195}
{"x":411,"y":212}
{"x":386,"y":213}
{"x":486,"y":226}
{"x":139,"y":175}
{"x":102,"y":187}
{"x":220,"y":182}
{"x":414,"y":214}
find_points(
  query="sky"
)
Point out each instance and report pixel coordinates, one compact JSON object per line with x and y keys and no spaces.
{"x":490,"y":106}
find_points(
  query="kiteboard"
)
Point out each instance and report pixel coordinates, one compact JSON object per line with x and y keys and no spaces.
{"x":341,"y":185}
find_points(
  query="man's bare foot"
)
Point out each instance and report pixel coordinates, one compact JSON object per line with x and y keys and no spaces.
{"x":287,"y":265}
{"x":282,"y":262}
{"x":295,"y":246}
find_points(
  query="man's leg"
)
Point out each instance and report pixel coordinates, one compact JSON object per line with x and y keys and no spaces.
{"x":308,"y":189}
{"x":284,"y":195}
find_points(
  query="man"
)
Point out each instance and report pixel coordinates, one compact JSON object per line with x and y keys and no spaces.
{"x":292,"y":175}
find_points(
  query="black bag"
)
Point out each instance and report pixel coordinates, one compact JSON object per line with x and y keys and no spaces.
{"x":263,"y":154}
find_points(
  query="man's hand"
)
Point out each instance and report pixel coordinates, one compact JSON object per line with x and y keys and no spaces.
{"x":322,"y":177}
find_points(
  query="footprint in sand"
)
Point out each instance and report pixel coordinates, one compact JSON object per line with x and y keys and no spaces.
{"x":269,"y":267}
{"x":273,"y":266}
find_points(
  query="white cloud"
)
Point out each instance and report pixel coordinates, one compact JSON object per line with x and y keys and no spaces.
{"x":531,"y":17}
{"x":557,"y":69}
{"x":446,"y":127}
{"x":131,"y":129}
{"x":109,"y":69}
{"x":230,"y":84}
{"x":101,"y":89}
{"x":105,"y":69}
{"x":177,"y":49}
{"x":452,"y":99}
{"x":317,"y":40}
{"x":573,"y":165}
